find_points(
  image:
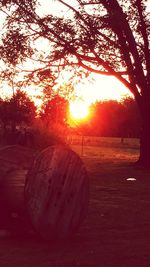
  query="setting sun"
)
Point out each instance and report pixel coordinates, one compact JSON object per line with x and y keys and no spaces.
{"x":79,"y":110}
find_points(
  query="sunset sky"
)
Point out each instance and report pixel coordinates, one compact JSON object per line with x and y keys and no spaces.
{"x":101,"y":87}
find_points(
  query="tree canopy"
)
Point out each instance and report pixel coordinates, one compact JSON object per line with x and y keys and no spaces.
{"x":112,"y":118}
{"x":106,"y":37}
{"x":17,"y":110}
{"x":55,"y":111}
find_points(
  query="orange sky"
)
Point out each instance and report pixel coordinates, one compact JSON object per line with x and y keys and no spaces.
{"x":97,"y":87}
{"x":102,"y":88}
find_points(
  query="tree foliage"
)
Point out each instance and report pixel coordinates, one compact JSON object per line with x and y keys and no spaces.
{"x":108,"y":37}
{"x":113,"y":118}
{"x":17,"y":110}
{"x":55,"y":111}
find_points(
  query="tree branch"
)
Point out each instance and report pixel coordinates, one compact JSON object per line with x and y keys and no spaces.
{"x":143,"y":29}
{"x":124,"y":27}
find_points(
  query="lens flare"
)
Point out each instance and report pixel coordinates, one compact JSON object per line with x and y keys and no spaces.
{"x":79,"y":110}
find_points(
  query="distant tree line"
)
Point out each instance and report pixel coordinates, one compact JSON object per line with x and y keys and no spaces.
{"x":107,"y":118}
{"x":16,"y":111}
{"x":113,"y":118}
{"x":16,"y":114}
{"x":22,"y":123}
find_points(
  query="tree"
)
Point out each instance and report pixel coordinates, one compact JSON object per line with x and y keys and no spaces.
{"x":55,"y":111}
{"x":17,"y":110}
{"x":131,"y":118}
{"x":101,"y":36}
{"x":112,"y":118}
{"x":107,"y":119}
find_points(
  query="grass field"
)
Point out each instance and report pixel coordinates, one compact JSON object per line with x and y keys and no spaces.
{"x":116,"y":231}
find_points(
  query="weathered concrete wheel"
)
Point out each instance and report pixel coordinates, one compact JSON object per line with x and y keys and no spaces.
{"x":57,"y":192}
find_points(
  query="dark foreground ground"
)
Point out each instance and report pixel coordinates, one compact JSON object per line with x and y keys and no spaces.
{"x":116,"y":231}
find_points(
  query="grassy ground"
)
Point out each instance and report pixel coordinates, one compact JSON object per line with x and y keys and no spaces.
{"x":116,"y":231}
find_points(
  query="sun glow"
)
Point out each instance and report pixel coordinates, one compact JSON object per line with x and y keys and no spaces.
{"x":79,"y":110}
{"x":103,"y":88}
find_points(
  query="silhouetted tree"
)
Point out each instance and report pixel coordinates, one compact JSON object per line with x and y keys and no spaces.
{"x":54,"y":111}
{"x":101,"y":36}
{"x":107,"y":118}
{"x":17,"y":110}
{"x":131,"y":126}
{"x":112,"y":118}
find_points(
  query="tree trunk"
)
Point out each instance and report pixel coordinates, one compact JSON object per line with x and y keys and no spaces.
{"x":144,"y":158}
